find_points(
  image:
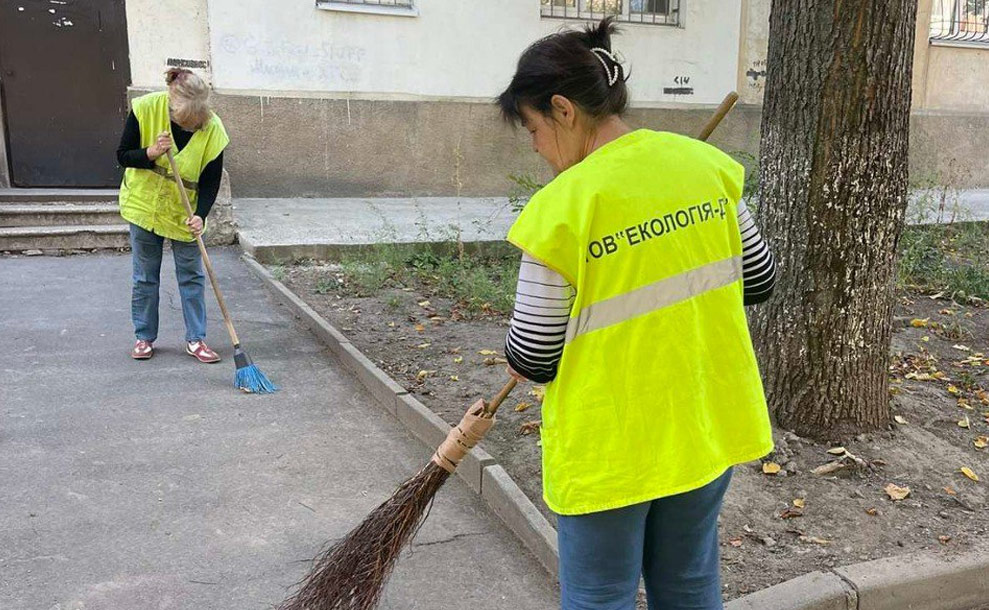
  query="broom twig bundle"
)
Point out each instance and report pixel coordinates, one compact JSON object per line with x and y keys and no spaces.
{"x":351,"y":574}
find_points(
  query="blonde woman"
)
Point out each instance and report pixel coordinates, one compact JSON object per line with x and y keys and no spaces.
{"x":178,"y":118}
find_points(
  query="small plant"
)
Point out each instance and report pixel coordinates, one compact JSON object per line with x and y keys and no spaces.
{"x":750,"y":188}
{"x":525,"y":186}
{"x":278,"y":272}
{"x":324,"y":286}
{"x":394,"y":302}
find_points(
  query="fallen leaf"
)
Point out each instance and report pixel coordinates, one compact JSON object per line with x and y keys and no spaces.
{"x":919,"y":323}
{"x":829,"y":467}
{"x":940,"y":375}
{"x":947,"y":312}
{"x":919,"y":376}
{"x":837,"y":451}
{"x":814,"y":540}
{"x":529,"y":427}
{"x":790,"y":513}
{"x":925,"y":339}
{"x":539,"y":392}
{"x":423,"y":345}
{"x":391,"y":325}
{"x":735,"y":542}
{"x":423,"y":374}
{"x":963,"y":403}
{"x":968,"y":472}
{"x":951,"y":492}
{"x":454,"y":378}
{"x":522,"y":406}
{"x":420,"y":327}
{"x":944,"y":539}
{"x":799,"y":502}
{"x":964,"y":423}
{"x":900,"y":420}
{"x":981,"y":442}
{"x":494,"y":361}
{"x":962,"y":348}
{"x":954,"y":390}
{"x":895,"y":492}
{"x":458,"y":359}
{"x":487,"y":352}
{"x":770,"y":468}
{"x":872,"y":512}
{"x":424,"y":304}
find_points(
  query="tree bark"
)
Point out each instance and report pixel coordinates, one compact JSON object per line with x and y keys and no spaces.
{"x":832,"y":197}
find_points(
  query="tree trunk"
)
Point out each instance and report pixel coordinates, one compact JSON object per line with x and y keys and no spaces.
{"x":832,"y":197}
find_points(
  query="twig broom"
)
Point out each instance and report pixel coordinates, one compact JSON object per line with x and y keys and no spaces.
{"x":247,"y":376}
{"x":351,"y":574}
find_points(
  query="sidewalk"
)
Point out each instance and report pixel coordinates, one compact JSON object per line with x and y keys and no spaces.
{"x":282,"y":230}
{"x":155,"y":484}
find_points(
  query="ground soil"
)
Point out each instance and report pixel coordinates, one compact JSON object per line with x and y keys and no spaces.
{"x":448,"y":360}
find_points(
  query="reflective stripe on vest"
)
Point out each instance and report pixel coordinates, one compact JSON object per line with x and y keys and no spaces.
{"x":655,"y":296}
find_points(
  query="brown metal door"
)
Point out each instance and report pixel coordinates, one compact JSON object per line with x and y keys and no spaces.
{"x":64,"y":73}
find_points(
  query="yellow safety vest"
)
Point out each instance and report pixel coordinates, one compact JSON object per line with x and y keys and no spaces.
{"x":150,"y":198}
{"x":658,"y":390}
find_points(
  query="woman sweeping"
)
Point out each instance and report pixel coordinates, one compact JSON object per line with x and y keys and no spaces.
{"x":638,"y":260}
{"x":150,"y":202}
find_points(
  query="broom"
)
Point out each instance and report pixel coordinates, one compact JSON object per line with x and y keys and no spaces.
{"x":351,"y":573}
{"x":247,"y":376}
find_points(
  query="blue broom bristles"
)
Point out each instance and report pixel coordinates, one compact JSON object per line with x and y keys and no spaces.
{"x":248,"y":376}
{"x":251,"y":379}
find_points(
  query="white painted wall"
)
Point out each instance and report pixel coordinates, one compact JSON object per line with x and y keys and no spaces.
{"x":453,"y":49}
{"x":160,"y":30}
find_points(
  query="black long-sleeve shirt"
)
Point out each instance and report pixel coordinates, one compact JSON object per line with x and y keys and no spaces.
{"x":131,"y":154}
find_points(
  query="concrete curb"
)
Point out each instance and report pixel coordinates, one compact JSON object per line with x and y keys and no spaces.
{"x":478,"y":469}
{"x":918,"y":582}
{"x":914,"y":582}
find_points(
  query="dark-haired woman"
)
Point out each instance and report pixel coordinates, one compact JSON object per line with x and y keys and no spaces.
{"x":637,"y":261}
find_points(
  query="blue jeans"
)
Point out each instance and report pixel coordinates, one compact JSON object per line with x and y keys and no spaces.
{"x":147,"y":248}
{"x":671,"y":542}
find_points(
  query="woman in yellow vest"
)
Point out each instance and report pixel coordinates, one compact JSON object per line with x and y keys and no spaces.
{"x":638,"y":258}
{"x":178,"y":118}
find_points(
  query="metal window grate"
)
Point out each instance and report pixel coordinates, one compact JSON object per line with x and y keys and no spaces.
{"x":399,"y":3}
{"x":960,"y":21}
{"x":654,"y":12}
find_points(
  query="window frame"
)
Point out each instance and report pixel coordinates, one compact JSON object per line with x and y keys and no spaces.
{"x":370,"y":8}
{"x":580,"y":11}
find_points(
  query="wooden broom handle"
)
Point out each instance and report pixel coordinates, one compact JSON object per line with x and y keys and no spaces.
{"x":492,"y":405}
{"x":726,"y":105}
{"x":202,"y":251}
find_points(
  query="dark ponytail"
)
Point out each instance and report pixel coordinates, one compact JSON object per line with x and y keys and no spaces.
{"x":565,"y":64}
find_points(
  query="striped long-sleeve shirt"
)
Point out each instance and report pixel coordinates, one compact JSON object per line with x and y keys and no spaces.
{"x":544,"y":298}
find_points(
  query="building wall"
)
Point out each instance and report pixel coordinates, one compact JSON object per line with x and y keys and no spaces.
{"x":453,"y":49}
{"x":159,"y":31}
{"x":323,"y":103}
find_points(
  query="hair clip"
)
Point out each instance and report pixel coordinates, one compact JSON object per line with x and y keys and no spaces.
{"x":612,"y":77}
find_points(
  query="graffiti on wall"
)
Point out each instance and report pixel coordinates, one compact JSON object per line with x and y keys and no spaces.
{"x":681,"y":86}
{"x":323,"y":63}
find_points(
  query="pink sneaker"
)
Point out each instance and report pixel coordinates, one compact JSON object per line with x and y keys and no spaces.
{"x":142,"y":350}
{"x":201,"y":352}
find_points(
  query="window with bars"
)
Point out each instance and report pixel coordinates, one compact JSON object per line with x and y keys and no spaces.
{"x":655,"y":12}
{"x":399,"y":3}
{"x":960,"y":21}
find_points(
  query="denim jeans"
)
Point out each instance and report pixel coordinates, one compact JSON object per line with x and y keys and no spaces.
{"x":671,"y":542}
{"x":147,"y":249}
